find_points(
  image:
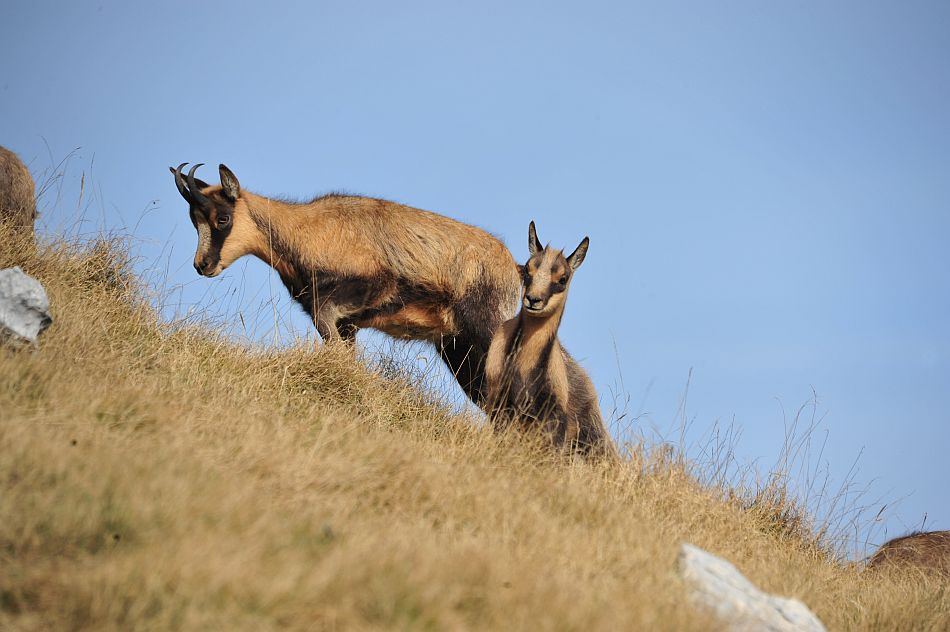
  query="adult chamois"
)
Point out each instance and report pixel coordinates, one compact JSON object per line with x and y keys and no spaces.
{"x":17,"y":195}
{"x":354,"y":262}
{"x":928,"y":552}
{"x":533,"y":383}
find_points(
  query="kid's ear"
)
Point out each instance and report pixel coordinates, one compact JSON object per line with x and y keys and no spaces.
{"x":577,"y":257}
{"x":229,"y":183}
{"x":534,"y":246}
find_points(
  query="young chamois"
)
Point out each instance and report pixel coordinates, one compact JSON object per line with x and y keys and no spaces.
{"x":354,"y":262}
{"x":532,"y":381}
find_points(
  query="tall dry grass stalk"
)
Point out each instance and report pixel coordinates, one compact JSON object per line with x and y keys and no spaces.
{"x":160,"y":476}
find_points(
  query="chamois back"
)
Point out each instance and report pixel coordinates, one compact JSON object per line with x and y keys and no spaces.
{"x":17,"y":194}
{"x":928,"y":552}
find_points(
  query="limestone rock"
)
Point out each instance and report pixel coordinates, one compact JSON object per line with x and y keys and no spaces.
{"x":24,"y":307}
{"x":718,"y":585}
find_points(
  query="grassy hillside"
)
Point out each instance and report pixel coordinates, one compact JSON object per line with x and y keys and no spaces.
{"x":154,"y":477}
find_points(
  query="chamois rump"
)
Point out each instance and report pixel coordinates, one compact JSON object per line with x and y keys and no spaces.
{"x":928,"y":552}
{"x":353,"y":262}
{"x":17,"y":194}
{"x":533,"y":383}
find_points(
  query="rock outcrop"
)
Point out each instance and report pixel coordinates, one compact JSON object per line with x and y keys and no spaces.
{"x":716,"y":584}
{"x":24,"y":307}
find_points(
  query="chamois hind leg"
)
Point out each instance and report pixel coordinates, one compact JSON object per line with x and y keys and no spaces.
{"x":330,"y":327}
{"x":478,"y":313}
{"x":347,"y":332}
{"x":467,"y":363}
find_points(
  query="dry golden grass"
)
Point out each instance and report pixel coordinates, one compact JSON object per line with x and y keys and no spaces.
{"x":154,"y":477}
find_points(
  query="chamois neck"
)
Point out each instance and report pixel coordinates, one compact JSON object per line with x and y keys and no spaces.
{"x":262,"y":207}
{"x":537,"y":334}
{"x":275,"y":221}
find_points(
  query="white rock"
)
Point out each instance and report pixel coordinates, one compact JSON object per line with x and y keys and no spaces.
{"x":24,"y":307}
{"x":717,"y":584}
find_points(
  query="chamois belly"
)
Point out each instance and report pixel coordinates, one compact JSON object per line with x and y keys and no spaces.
{"x":411,"y":312}
{"x":394,"y":306}
{"x":413,"y":322}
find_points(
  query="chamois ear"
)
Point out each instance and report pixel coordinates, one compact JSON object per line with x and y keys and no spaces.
{"x":577,"y":257}
{"x":229,"y":183}
{"x":534,"y":246}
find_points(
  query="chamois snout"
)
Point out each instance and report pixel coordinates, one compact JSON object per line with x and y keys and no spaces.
{"x":206,"y":267}
{"x":533,"y":303}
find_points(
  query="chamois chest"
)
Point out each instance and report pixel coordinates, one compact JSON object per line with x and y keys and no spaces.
{"x":530,"y":380}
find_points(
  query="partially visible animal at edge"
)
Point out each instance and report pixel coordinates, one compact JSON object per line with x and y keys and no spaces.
{"x":928,"y":552}
{"x":533,"y":382}
{"x":17,"y":194}
{"x":353,"y":262}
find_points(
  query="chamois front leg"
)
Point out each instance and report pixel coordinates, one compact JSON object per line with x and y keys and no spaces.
{"x":572,"y":431}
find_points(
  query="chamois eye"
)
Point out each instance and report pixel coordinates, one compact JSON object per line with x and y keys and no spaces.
{"x":563,"y":280}
{"x":223,"y":220}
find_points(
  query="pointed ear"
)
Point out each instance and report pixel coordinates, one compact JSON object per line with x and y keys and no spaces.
{"x":577,"y":257}
{"x":229,"y":183}
{"x":534,"y":246}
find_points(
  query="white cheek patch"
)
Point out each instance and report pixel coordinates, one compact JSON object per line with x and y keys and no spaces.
{"x":204,"y":238}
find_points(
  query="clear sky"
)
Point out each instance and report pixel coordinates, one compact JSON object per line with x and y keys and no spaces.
{"x":766,"y":185}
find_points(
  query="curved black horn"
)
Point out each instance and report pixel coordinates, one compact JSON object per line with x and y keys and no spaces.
{"x":180,"y":183}
{"x":195,"y":190}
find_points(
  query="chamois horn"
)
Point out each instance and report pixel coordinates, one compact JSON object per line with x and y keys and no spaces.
{"x":180,"y":183}
{"x":195,"y":190}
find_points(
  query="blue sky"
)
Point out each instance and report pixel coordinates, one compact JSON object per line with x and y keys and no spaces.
{"x":765,"y":185}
